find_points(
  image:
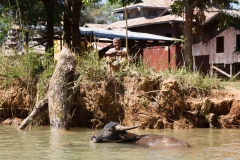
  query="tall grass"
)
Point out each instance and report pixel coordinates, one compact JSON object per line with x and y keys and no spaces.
{"x":189,"y":79}
{"x":90,"y":67}
{"x":137,"y":69}
{"x":20,"y":67}
{"x":27,"y":69}
{"x":32,"y":68}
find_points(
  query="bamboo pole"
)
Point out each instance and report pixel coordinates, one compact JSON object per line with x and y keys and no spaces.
{"x":126,"y":30}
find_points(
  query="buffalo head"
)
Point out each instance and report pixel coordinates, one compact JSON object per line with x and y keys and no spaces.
{"x":114,"y":132}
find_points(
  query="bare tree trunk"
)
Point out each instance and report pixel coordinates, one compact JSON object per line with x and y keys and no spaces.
{"x":75,"y":18}
{"x":72,"y":34}
{"x":49,"y":6}
{"x":66,"y":23}
{"x":58,"y":94}
{"x":188,"y":34}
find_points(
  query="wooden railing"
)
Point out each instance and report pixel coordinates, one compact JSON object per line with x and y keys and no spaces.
{"x":223,"y":72}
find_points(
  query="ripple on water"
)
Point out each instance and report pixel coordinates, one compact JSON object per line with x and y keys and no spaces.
{"x":41,"y":143}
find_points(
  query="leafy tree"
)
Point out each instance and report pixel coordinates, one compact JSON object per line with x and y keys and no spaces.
{"x":72,"y":18}
{"x":193,"y":10}
{"x":125,"y":2}
{"x":99,"y":13}
{"x":25,"y":11}
{"x":50,"y":11}
{"x":31,"y":12}
{"x":5,"y":22}
{"x":13,"y":11}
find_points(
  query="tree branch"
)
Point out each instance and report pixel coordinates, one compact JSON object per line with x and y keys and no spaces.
{"x":43,"y":103}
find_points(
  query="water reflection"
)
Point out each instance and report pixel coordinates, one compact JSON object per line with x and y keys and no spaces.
{"x":41,"y":143}
{"x":55,"y":145}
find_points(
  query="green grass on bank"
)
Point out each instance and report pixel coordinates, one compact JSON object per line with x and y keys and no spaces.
{"x":92,"y":69}
{"x":29,"y":69}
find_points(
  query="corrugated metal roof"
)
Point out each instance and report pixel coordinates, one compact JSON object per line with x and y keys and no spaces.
{"x":234,"y":13}
{"x":143,"y":21}
{"x":213,"y":13}
{"x":93,"y":25}
{"x":104,"y":33}
{"x":148,"y":4}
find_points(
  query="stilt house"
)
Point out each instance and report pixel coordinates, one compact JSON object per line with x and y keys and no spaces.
{"x":215,"y":51}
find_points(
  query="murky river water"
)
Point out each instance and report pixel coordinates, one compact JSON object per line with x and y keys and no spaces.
{"x":41,"y":143}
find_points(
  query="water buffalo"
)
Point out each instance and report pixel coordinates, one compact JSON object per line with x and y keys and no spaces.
{"x":114,"y":132}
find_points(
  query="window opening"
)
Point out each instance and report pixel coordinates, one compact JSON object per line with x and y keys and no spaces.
{"x":168,"y":35}
{"x":220,"y":45}
{"x":152,"y":13}
{"x":137,"y":14}
{"x":237,"y":42}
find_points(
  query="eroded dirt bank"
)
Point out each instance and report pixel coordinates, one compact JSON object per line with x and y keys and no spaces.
{"x":152,"y":103}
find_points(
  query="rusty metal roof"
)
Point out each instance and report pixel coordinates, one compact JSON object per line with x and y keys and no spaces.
{"x":164,"y":4}
{"x":143,"y":21}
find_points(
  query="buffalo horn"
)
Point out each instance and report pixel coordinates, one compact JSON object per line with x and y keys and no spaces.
{"x":122,"y":128}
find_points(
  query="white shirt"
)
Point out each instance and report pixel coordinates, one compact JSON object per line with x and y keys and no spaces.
{"x":113,"y":49}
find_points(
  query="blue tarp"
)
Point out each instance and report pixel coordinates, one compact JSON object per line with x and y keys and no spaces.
{"x":104,"y":33}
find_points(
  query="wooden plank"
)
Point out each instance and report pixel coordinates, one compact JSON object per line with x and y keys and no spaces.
{"x":236,"y":75}
{"x":219,"y":70}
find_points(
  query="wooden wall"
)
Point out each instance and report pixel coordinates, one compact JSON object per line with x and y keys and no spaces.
{"x":159,"y":58}
{"x":163,"y":29}
{"x":226,"y":57}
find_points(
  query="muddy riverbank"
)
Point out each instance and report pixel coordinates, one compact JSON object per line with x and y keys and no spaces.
{"x":149,"y":102}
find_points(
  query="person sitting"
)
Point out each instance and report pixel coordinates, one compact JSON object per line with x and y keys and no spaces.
{"x":115,"y":57}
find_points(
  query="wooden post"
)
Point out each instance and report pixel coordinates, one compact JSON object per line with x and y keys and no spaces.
{"x":211,"y":70}
{"x":230,"y":69}
{"x":61,"y":40}
{"x":126,"y":30}
{"x":27,"y":33}
{"x":194,"y":65}
{"x":169,"y":56}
